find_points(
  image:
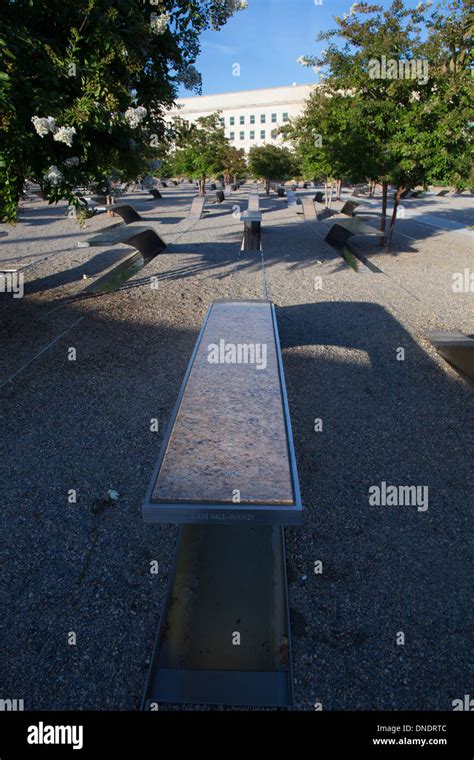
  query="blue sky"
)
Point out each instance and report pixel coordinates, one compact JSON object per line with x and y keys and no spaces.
{"x":266,"y":39}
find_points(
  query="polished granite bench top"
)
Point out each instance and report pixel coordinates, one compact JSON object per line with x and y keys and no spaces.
{"x":230,"y":433}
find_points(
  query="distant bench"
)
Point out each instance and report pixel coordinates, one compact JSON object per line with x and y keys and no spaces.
{"x":144,"y":239}
{"x":254,"y":201}
{"x":456,"y":348}
{"x":309,"y":209}
{"x":349,"y":208}
{"x":252,"y":230}
{"x":228,"y":452}
{"x":128,"y":213}
{"x":340,"y":234}
{"x":292,"y":199}
{"x":197,"y":208}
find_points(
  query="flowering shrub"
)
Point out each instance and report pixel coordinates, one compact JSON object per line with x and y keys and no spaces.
{"x":48,"y":125}
{"x":135,"y":116}
{"x":53,"y":176}
{"x":44,"y":125}
{"x":65,"y":135}
{"x":159,"y":24}
{"x":88,"y":64}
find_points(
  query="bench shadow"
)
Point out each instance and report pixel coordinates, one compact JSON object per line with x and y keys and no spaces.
{"x":385,"y":569}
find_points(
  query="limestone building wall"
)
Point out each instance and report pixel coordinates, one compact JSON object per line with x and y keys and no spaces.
{"x":250,"y":117}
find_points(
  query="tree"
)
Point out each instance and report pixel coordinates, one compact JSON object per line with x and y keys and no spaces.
{"x":201,"y":149}
{"x":235,"y":164}
{"x":331,"y":141}
{"x":270,"y":162}
{"x":88,"y":82}
{"x":393,"y":73}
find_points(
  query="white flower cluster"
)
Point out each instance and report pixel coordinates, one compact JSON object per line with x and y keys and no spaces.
{"x":305,"y":60}
{"x":73,"y":161}
{"x":65,"y":135}
{"x":190,"y":77}
{"x":54,"y":176}
{"x":135,"y":116}
{"x":159,"y":23}
{"x":232,"y":6}
{"x":44,"y":125}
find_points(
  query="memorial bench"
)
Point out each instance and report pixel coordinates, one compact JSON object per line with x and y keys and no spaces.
{"x":197,"y":208}
{"x":456,"y":348}
{"x":340,"y":234}
{"x":128,"y":213}
{"x":349,"y":207}
{"x":252,"y":230}
{"x":144,"y":239}
{"x":254,"y":200}
{"x":293,"y":200}
{"x":309,"y":209}
{"x":227,"y":472}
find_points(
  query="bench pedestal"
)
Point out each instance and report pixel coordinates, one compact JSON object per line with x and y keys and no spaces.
{"x":252,"y":230}
{"x":227,"y":582}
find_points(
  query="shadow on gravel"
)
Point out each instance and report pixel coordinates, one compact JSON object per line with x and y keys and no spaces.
{"x":386,"y":569}
{"x":89,"y":268}
{"x":85,"y":425}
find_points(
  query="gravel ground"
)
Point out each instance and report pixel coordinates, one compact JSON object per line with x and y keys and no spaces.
{"x":85,"y":425}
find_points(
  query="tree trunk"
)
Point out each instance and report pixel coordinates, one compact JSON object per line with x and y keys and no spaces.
{"x":330,"y":194}
{"x":338,"y":189}
{"x":202,"y":186}
{"x":396,"y":204}
{"x":326,"y":192}
{"x":267,"y":186}
{"x":384,"y":210}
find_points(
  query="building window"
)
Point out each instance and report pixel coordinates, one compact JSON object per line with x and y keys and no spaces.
{"x":274,"y":134}
{"x":232,"y":136}
{"x":263,"y":118}
{"x":285,"y":117}
{"x":274,"y":118}
{"x":252,"y":119}
{"x":262,"y":134}
{"x":222,"y":121}
{"x":232,"y":121}
{"x":252,"y":135}
{"x":242,"y":119}
{"x":242,"y":135}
